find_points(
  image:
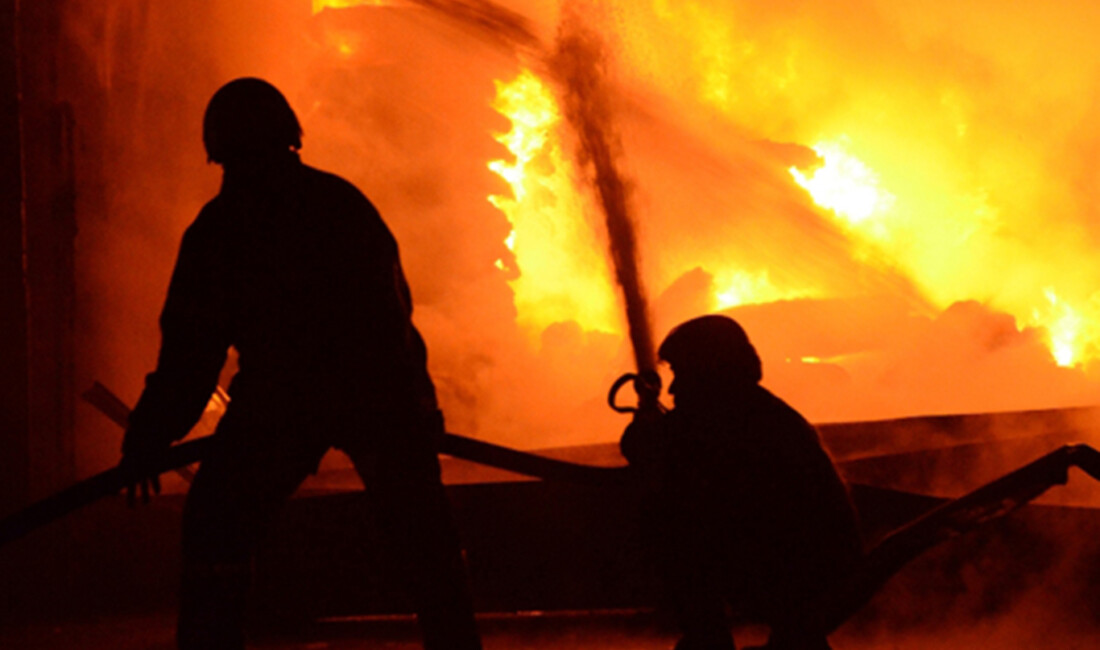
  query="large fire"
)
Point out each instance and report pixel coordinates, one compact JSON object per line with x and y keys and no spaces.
{"x":558,"y":286}
{"x":922,"y":160}
{"x":849,"y":189}
{"x":911,"y":176}
{"x":897,"y":202}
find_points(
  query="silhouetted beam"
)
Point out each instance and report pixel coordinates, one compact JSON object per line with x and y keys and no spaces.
{"x":521,"y":462}
{"x":92,"y":489}
{"x":109,"y":404}
{"x":179,"y":456}
{"x":989,"y":502}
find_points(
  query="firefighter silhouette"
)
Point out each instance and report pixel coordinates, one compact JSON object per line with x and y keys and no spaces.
{"x":745,"y":507}
{"x":294,"y":268}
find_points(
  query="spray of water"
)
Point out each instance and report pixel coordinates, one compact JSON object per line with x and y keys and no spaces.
{"x":487,"y":18}
{"x":580,"y":63}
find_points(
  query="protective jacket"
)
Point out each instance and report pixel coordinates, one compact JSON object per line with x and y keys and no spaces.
{"x":747,"y":496}
{"x":294,"y":268}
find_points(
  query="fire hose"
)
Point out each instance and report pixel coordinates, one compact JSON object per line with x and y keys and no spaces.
{"x":178,"y":457}
{"x":951,"y":519}
{"x":825,"y":612}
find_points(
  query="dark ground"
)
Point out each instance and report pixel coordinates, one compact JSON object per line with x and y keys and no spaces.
{"x":104,"y":578}
{"x":574,"y":631}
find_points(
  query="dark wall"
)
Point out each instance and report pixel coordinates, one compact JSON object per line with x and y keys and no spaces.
{"x":50,"y":233}
{"x":13,"y":299}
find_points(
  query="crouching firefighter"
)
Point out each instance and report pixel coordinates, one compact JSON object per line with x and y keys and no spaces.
{"x":294,"y":268}
{"x":745,"y":508}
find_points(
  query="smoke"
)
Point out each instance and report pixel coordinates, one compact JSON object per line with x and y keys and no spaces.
{"x":1024,"y":582}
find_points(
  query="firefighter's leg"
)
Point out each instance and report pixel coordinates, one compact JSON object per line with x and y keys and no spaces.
{"x":701,"y":614}
{"x":403,"y":473}
{"x":784,"y":609}
{"x":691,"y":579}
{"x":788,"y":639}
{"x":235,"y":495}
{"x":790,"y":629}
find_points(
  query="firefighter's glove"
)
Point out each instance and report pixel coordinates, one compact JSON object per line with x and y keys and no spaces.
{"x":140,"y":454}
{"x":647,"y":385}
{"x":431,"y":422}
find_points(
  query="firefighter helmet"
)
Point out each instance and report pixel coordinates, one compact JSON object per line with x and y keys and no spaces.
{"x":249,"y":117}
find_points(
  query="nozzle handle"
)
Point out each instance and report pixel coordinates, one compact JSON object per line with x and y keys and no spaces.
{"x":647,"y":385}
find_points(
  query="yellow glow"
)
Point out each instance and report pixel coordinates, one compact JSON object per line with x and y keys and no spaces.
{"x":923,"y":245}
{"x":952,"y":191}
{"x":942,"y":184}
{"x":563,"y":274}
{"x":734,"y":288}
{"x":1064,"y":326}
{"x":320,"y":5}
{"x":845,"y":185}
{"x":343,"y":42}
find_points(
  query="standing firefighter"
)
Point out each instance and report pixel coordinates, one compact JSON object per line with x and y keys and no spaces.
{"x":747,"y":508}
{"x":294,"y":268}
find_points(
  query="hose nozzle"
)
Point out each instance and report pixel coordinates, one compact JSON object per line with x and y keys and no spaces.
{"x":647,"y":385}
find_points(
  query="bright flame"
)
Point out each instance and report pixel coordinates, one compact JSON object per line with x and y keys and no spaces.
{"x":1064,"y":326}
{"x":845,"y":185}
{"x":563,"y":274}
{"x":741,"y":288}
{"x":345,"y":44}
{"x":850,"y":188}
{"x":320,"y":5}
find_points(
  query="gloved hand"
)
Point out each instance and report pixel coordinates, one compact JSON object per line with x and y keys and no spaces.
{"x":647,"y":384}
{"x":431,"y":422}
{"x":140,"y":452}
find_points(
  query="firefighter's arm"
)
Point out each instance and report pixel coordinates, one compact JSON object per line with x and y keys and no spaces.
{"x":194,"y":345}
{"x":645,"y":437}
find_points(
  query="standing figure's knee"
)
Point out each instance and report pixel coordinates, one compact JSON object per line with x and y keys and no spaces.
{"x":213,"y":599}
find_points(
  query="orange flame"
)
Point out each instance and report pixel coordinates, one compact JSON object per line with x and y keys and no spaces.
{"x":850,"y":189}
{"x":936,"y":179}
{"x":320,"y":5}
{"x":1073,"y":331}
{"x":563,"y":274}
{"x":733,"y":288}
